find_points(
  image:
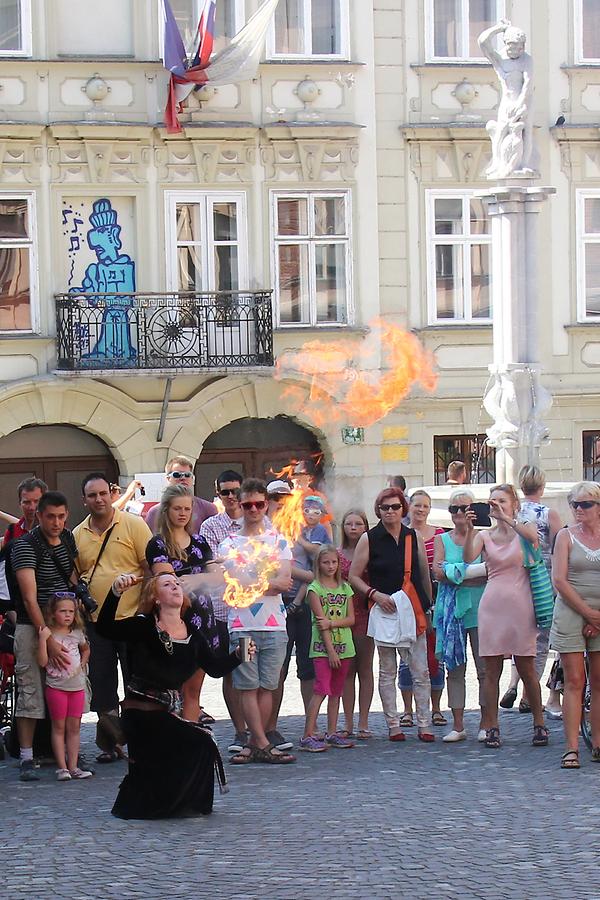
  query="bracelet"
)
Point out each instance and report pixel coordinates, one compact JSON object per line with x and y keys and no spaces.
{"x":370,"y":593}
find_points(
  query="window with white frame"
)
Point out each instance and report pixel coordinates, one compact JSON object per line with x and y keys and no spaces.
{"x":587,"y":31}
{"x":229,"y":18}
{"x":588,"y":255}
{"x":312,"y":258}
{"x":453,"y":27}
{"x":458,"y":258}
{"x":206,"y":241}
{"x":18,"y":265}
{"x":15,"y":27}
{"x":304,"y":28}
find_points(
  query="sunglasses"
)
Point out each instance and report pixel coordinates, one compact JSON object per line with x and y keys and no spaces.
{"x":64,"y":595}
{"x":178,"y":475}
{"x":385,"y":507}
{"x":583,"y":504}
{"x":453,"y":509}
{"x":227,"y":492}
{"x":254,"y":504}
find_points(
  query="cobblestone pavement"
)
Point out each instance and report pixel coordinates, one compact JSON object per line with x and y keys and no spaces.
{"x":382,"y":820}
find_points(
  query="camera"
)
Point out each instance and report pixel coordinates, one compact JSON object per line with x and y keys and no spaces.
{"x":82,"y":592}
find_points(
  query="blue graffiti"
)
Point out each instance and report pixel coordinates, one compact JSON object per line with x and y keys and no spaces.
{"x":113,"y":273}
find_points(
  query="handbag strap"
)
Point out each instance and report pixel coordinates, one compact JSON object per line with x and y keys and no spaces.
{"x":104,"y":543}
{"x":531,"y":554}
{"x":48,"y":551}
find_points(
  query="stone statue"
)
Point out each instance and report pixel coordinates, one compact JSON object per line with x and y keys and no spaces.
{"x":513,"y":150}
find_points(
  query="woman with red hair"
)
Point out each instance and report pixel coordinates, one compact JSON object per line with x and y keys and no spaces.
{"x":394,"y":559}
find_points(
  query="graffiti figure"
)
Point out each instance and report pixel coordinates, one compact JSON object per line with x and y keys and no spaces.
{"x":113,"y":273}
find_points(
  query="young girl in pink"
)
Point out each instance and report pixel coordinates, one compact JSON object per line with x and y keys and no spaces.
{"x":331,"y":648}
{"x":65,"y":687}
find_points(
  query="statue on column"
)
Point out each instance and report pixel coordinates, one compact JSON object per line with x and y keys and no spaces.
{"x":513,"y":150}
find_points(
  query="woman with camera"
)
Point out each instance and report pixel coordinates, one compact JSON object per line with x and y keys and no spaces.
{"x":506,"y":618}
{"x":172,"y":761}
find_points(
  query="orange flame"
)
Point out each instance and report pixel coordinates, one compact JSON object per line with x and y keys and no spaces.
{"x":256,"y":562}
{"x":289,"y":518}
{"x":342,"y":390}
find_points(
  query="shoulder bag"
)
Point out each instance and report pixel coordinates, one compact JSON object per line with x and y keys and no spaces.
{"x":542,"y":591}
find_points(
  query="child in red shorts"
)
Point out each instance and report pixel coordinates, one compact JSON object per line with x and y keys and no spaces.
{"x":331,"y":648}
{"x":65,"y":686}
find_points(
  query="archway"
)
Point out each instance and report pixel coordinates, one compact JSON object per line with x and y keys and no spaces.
{"x":254,"y":447}
{"x":60,"y":455}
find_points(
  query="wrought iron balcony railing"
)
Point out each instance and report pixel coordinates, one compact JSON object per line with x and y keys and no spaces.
{"x":208,"y":330}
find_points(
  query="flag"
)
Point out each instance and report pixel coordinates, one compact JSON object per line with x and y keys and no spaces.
{"x":237,"y":62}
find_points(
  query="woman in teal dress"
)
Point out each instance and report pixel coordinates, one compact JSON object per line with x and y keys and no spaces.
{"x":455,"y":616}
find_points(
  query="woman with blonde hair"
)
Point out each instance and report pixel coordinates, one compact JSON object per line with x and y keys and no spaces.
{"x":576,"y":623}
{"x":506,"y":619}
{"x":532,"y":482}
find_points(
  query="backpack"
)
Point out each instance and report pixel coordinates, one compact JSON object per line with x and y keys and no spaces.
{"x":9,"y":589}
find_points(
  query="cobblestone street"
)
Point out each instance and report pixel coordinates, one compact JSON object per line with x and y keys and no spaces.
{"x":381,"y":820}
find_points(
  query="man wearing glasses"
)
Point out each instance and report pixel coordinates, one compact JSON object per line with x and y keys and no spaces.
{"x":180,"y":470}
{"x":257,"y":549}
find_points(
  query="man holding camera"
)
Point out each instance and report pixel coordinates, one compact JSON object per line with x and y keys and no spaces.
{"x":43,"y":562}
{"x":108,"y":541}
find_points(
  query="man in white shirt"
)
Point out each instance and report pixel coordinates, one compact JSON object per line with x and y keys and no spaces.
{"x":255,"y":549}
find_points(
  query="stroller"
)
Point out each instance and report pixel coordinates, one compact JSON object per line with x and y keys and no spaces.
{"x":7,"y":683}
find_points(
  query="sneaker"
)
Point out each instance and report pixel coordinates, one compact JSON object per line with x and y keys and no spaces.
{"x":239,"y":742}
{"x":27,"y":771}
{"x":454,"y":736}
{"x":481,"y":735}
{"x":339,"y":742}
{"x":84,"y":763}
{"x":80,"y":773}
{"x":312,"y":745}
{"x":63,"y":775}
{"x":278,"y":741}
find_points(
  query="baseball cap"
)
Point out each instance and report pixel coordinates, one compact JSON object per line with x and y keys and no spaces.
{"x":313,"y":500}
{"x":278,"y":487}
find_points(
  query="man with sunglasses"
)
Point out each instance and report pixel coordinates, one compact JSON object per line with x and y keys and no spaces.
{"x":180,"y":470}
{"x":38,"y":576}
{"x":215,"y":529}
{"x":244,"y":555}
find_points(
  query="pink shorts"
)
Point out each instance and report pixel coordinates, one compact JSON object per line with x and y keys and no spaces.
{"x":329,"y":682}
{"x":65,"y":704}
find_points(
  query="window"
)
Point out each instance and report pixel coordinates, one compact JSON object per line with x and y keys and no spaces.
{"x":591,"y":455}
{"x":472,"y":449}
{"x":310,"y":28}
{"x":229,"y":18}
{"x":454,"y":26}
{"x":312,"y":247}
{"x":588,"y":256}
{"x":207,"y":242}
{"x":458,"y":258}
{"x":15,"y":27}
{"x":18,"y":265}
{"x":587,"y":31}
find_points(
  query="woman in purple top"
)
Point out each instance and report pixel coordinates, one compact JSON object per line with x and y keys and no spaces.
{"x":175,"y":549}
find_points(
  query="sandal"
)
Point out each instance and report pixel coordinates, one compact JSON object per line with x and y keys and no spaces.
{"x":241,"y":759}
{"x":570,"y":760}
{"x":363,"y":734}
{"x":406,"y":720}
{"x":540,"y":736}
{"x":438,"y":719}
{"x":266,"y":755}
{"x":397,"y":737}
{"x":426,"y":736}
{"x":596,"y":754}
{"x":345,"y":733}
{"x":107,"y":756}
{"x":492,"y":738}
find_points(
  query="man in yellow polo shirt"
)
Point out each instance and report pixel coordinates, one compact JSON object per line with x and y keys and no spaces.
{"x":109,"y":542}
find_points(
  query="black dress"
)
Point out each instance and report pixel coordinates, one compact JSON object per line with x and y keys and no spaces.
{"x":171,"y":761}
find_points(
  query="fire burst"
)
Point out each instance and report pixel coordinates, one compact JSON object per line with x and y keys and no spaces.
{"x":257,"y":561}
{"x":343,"y":391}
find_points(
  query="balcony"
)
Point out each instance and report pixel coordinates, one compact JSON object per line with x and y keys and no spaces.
{"x":184,"y":331}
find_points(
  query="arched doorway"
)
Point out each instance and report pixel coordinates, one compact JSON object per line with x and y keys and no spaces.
{"x":60,"y":455}
{"x":254,"y":447}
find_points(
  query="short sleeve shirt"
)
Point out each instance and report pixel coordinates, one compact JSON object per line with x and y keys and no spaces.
{"x":335,"y":606}
{"x":32,"y":552}
{"x":198,"y":554}
{"x":244,"y":559}
{"x":72,"y":678}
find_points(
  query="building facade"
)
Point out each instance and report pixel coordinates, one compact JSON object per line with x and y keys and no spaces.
{"x":149,"y":281}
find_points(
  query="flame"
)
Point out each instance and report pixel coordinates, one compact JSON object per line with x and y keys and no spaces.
{"x":289,"y":518}
{"x":256,"y":561}
{"x":344,"y":390}
{"x":288,"y":471}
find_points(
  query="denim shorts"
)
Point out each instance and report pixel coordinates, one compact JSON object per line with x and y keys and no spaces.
{"x":265,"y":669}
{"x":299,"y":632}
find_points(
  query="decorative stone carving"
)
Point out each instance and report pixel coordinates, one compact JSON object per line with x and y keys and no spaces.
{"x":317,"y":159}
{"x":206,"y":162}
{"x":20,"y":161}
{"x":513,"y":150}
{"x":442,"y":160}
{"x":97,"y":162}
{"x":517,"y":402}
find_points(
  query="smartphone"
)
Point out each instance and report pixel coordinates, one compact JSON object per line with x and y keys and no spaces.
{"x":482,"y":511}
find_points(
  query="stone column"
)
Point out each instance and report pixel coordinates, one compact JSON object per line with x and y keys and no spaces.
{"x":516,"y":399}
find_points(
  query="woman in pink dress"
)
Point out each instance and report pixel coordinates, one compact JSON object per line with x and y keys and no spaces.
{"x":506,"y":619}
{"x":355,"y":524}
